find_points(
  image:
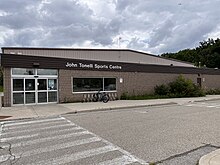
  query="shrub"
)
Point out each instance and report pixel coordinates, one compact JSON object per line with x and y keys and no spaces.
{"x":124,"y":96}
{"x":213,"y":92}
{"x":1,"y":88}
{"x":161,"y":90}
{"x":182,"y":87}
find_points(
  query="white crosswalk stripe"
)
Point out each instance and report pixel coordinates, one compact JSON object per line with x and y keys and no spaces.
{"x":76,"y":156}
{"x":60,"y":146}
{"x":36,"y":129}
{"x":18,"y":137}
{"x":36,"y":125}
{"x":124,"y":159}
{"x":41,"y":140}
{"x":57,"y":141}
{"x":32,"y":122}
{"x":14,"y":136}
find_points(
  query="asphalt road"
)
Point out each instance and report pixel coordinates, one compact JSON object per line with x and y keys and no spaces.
{"x":174,"y":135}
{"x":168,"y":134}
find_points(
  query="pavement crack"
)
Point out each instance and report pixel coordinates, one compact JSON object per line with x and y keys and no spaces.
{"x":11,"y":157}
{"x":211,"y":145}
{"x":185,"y":153}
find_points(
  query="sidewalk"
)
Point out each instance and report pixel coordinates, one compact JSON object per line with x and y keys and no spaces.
{"x":21,"y":112}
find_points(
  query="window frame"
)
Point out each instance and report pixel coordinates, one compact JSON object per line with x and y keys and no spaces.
{"x":103,"y":85}
{"x":35,"y":73}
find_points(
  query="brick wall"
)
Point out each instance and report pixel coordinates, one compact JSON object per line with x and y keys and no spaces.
{"x":133,"y":83}
{"x":211,"y":81}
{"x":7,"y":87}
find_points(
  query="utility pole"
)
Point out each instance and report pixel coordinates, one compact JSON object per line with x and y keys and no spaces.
{"x":119,"y":41}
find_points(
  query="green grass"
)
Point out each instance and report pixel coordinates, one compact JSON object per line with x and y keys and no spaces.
{"x":150,"y":96}
{"x":142,"y":97}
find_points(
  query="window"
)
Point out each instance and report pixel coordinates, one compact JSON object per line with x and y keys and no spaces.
{"x":109,"y":84}
{"x":18,"y":84}
{"x":18,"y":98}
{"x":18,"y":91}
{"x":46,"y":72}
{"x":94,"y":84}
{"x":25,"y":71}
{"x":52,"y":84}
{"x":21,"y":71}
{"x":87,"y":84}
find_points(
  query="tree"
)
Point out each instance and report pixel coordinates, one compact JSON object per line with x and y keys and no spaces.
{"x":206,"y":54}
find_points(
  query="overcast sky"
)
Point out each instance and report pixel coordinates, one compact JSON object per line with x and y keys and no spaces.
{"x":153,"y":26}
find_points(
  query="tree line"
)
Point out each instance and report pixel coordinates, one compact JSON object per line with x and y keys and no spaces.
{"x":207,"y":54}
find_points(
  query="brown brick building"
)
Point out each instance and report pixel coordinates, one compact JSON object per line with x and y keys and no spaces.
{"x":50,"y":75}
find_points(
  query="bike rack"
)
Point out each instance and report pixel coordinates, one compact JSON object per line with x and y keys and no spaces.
{"x":87,"y":97}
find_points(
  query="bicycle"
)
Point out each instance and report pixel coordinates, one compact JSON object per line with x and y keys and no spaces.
{"x":100,"y":96}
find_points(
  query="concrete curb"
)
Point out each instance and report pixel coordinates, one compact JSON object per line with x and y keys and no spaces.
{"x":117,"y":108}
{"x":213,"y":158}
{"x":94,"y":110}
{"x":207,"y":100}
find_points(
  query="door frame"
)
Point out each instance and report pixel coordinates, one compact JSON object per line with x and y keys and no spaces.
{"x":47,"y":77}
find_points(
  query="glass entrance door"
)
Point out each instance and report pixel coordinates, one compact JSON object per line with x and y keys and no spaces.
{"x":42,"y":90}
{"x":52,"y":90}
{"x":30,"y":91}
{"x":46,"y":90}
{"x":34,"y":86}
{"x":34,"y":90}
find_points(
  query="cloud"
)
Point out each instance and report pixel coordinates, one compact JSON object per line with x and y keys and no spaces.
{"x":152,"y":26}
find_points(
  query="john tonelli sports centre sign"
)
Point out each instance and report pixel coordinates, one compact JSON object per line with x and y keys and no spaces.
{"x":93,"y":66}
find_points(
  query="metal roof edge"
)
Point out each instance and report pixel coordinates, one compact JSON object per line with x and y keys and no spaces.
{"x":97,"y":49}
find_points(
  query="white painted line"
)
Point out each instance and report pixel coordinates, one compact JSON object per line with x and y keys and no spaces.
{"x":117,"y":161}
{"x":18,"y":137}
{"x":35,"y":125}
{"x":126,"y":153}
{"x":118,"y":148}
{"x":210,"y":106}
{"x":76,"y":156}
{"x":1,"y":127}
{"x":41,"y":140}
{"x":36,"y":129}
{"x":51,"y":132}
{"x":32,"y":122}
{"x":58,"y":147}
